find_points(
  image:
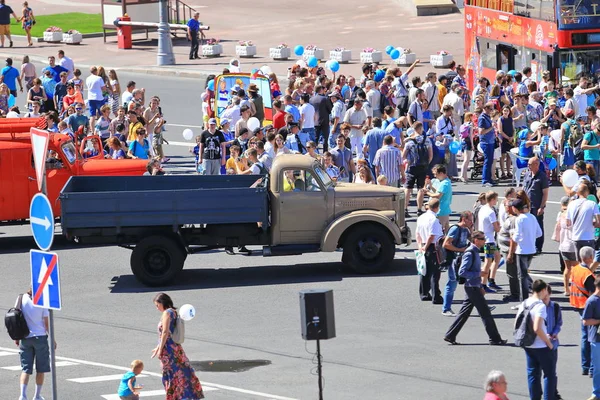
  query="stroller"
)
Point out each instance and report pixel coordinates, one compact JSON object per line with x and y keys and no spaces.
{"x":477,"y":168}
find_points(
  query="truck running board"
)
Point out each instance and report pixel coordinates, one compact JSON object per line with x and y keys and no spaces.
{"x":290,"y":249}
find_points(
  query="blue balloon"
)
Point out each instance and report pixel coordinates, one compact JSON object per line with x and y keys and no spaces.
{"x":334,"y":66}
{"x":389,"y":49}
{"x":379,"y":75}
{"x":552,"y":164}
{"x":395,"y":54}
{"x":211,"y":85}
{"x":312,"y":62}
{"x":299,"y":50}
{"x":454,"y":147}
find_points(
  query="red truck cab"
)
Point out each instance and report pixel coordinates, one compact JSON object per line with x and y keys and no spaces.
{"x":17,"y":175}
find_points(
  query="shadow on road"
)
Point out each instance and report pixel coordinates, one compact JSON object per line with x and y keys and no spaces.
{"x":207,"y":278}
{"x":22,"y":244}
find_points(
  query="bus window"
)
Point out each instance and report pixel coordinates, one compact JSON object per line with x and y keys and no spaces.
{"x":578,"y":62}
{"x":505,"y":58}
{"x":520,"y":8}
{"x":534,"y":8}
{"x":488,"y":55}
{"x":547,"y":11}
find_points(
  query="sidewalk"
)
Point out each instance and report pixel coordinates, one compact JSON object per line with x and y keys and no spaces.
{"x":353,"y":26}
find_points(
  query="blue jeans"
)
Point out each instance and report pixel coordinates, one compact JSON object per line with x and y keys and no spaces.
{"x":596,"y":359}
{"x":587,"y":363}
{"x":488,"y":162}
{"x":596,"y":165}
{"x":538,"y":361}
{"x":450,"y":288}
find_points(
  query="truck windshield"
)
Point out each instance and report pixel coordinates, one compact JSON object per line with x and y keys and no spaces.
{"x":323,"y":175}
{"x":70,"y":152}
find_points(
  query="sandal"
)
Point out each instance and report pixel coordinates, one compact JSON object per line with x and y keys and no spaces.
{"x":503,"y":176}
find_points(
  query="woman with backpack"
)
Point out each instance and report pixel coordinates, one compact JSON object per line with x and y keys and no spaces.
{"x":179,"y":378}
{"x":591,"y":150}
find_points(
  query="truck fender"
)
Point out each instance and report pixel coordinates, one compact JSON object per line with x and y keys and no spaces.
{"x":336,"y":229}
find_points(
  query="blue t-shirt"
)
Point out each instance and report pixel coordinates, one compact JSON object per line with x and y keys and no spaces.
{"x":138,"y":150}
{"x":293,"y":110}
{"x":10,"y":75}
{"x":55,"y":71}
{"x":445,"y":188}
{"x":592,"y":311}
{"x":463,"y":240}
{"x":123,"y":387}
{"x":5,"y":12}
{"x":193,"y":25}
{"x":394,"y":132}
{"x":374,"y":139}
{"x":75,"y":121}
{"x":485,"y":122}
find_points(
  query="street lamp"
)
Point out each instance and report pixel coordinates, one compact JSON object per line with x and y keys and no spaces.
{"x":165,"y":54}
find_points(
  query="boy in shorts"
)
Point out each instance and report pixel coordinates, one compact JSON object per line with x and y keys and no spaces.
{"x":489,"y":225}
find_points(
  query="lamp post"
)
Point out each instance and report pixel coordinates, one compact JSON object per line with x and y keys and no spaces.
{"x":165,"y":54}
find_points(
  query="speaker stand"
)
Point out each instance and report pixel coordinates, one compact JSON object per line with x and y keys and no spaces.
{"x":319,"y":369}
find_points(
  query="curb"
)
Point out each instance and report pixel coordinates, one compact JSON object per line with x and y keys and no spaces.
{"x":83,"y":35}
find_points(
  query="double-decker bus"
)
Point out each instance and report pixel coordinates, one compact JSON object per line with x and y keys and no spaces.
{"x":561,"y":36}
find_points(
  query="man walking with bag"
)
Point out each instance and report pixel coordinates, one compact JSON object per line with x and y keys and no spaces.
{"x":470,"y":270}
{"x":34,"y":347}
{"x":429,"y":232}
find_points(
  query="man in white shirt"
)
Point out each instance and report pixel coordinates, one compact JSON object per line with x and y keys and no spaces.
{"x":34,"y":348}
{"x":429,"y":232}
{"x":95,"y":87}
{"x":356,"y":117}
{"x":540,"y":357}
{"x":307,"y":120}
{"x":454,"y":99}
{"x":583,"y":216}
{"x":527,"y":230}
{"x":337,"y":117}
{"x":445,"y":123}
{"x":374,"y":98}
{"x":489,"y":225}
{"x":66,"y":63}
{"x":431,"y":94}
{"x":580,"y":96}
{"x":127,"y":95}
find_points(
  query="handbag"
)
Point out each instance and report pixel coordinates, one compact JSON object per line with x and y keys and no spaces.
{"x":421,"y":264}
{"x":178,"y":334}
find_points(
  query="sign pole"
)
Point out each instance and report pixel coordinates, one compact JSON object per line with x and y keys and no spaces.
{"x":51,"y":319}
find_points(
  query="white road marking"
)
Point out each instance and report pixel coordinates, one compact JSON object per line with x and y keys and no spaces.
{"x":204,"y":384}
{"x":543,"y":276}
{"x":149,"y":393}
{"x":186,"y":126}
{"x":6,"y":353}
{"x":101,"y":378}
{"x":58,"y":364}
{"x":182,"y":144}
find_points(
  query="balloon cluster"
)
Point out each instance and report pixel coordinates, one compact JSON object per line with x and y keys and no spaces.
{"x":394,"y":53}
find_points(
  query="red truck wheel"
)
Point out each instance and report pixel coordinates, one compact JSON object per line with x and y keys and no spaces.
{"x":369,"y":248}
{"x":156,"y":260}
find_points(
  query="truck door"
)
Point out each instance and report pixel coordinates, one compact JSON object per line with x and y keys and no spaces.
{"x":91,"y":147}
{"x":302,"y":207}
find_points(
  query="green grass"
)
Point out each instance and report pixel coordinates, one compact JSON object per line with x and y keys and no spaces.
{"x":84,"y":23}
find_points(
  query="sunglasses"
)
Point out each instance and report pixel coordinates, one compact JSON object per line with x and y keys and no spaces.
{"x":79,"y":109}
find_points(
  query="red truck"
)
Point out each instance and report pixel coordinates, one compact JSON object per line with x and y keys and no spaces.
{"x":17,"y":175}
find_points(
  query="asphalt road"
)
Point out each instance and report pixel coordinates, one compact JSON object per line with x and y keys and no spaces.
{"x":388,"y":345}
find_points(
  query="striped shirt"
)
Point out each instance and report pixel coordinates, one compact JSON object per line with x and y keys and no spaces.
{"x":389,"y":159}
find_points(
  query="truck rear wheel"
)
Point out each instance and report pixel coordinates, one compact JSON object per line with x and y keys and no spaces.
{"x":368,"y":249}
{"x":156,"y":260}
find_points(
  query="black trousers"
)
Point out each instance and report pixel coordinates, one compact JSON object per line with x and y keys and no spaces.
{"x":322,"y":131}
{"x":194,"y":45}
{"x":523,"y":263}
{"x":539,"y":242}
{"x":474,"y":299}
{"x":429,"y":285}
{"x":513,"y":276}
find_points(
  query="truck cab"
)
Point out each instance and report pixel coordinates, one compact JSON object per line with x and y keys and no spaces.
{"x":18,"y":181}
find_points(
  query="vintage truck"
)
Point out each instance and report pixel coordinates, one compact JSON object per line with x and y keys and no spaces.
{"x":296,"y":209}
{"x":18,"y":178}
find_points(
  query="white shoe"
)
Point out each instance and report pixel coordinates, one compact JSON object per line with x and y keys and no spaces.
{"x":22,"y":398}
{"x":448,"y":313}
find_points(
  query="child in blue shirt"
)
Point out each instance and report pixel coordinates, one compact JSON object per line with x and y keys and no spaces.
{"x":127,"y":388}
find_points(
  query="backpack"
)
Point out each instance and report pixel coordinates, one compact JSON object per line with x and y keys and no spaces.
{"x":420,"y":153}
{"x":524,"y":334}
{"x":262,"y":169}
{"x":178,"y":334}
{"x":15,"y":322}
{"x":575,"y":140}
{"x":465,"y":130}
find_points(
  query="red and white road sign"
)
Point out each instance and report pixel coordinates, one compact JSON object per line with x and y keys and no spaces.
{"x":39,"y":144}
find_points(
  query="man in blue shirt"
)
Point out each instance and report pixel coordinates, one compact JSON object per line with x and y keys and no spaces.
{"x":373,"y":140}
{"x":5,"y":12}
{"x":192,"y":33}
{"x":54,"y":69}
{"x":470,"y":270}
{"x":10,"y":76}
{"x":487,"y":137}
{"x":291,"y":109}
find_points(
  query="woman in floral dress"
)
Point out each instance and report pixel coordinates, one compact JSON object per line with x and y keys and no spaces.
{"x":179,"y":378}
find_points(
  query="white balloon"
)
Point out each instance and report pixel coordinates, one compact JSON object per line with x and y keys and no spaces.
{"x":401,"y":50}
{"x":534,"y":126}
{"x":253,"y":123}
{"x":266,"y":70}
{"x":556,"y":134}
{"x":570,"y":178}
{"x":187,"y":312}
{"x":302,"y":63}
{"x":188,"y":134}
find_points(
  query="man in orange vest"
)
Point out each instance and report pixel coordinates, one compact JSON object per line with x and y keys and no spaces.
{"x":582,"y":287}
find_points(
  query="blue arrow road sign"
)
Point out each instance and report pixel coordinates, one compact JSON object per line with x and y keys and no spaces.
{"x":42,"y":221}
{"x":45,"y":279}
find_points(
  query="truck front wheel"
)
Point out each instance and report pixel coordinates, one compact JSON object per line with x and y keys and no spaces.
{"x":368,"y":249}
{"x":156,"y":260}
